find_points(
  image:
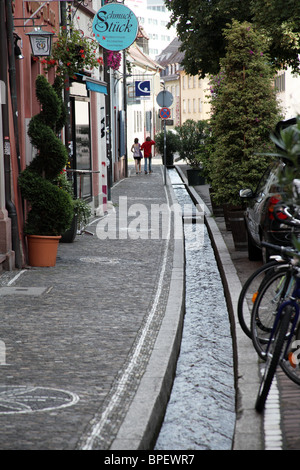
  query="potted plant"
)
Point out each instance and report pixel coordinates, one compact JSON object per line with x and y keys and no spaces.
{"x":172,"y":145}
{"x":50,"y":208}
{"x":193,"y":148}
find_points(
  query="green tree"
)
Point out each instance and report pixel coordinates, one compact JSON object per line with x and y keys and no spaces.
{"x":200,"y":25}
{"x":280,"y":19}
{"x":245,"y":112}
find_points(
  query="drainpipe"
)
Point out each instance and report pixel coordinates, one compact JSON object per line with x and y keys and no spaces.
{"x":67,"y":129}
{"x":12,"y":75}
{"x":108,"y":121}
{"x":125,"y":111}
{"x":11,"y":209}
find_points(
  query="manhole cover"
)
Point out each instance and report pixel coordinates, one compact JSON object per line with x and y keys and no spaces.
{"x":26,"y":399}
{"x":98,"y":259}
{"x":33,"y":291}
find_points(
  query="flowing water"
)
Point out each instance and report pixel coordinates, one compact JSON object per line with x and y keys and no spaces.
{"x":201,"y":411}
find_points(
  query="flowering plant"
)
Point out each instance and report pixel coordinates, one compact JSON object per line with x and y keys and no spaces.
{"x":114,"y":60}
{"x":71,"y":53}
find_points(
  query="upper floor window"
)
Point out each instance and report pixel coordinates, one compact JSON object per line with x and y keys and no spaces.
{"x":279,"y":82}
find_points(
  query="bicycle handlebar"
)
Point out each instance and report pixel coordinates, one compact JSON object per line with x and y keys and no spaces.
{"x":289,"y":220}
{"x":280,"y":249}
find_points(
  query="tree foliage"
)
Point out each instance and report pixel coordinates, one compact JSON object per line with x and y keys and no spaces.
{"x":280,"y":20}
{"x":200,"y":25}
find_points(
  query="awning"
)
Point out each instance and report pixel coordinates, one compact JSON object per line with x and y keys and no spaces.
{"x":93,"y":84}
{"x":98,"y":87}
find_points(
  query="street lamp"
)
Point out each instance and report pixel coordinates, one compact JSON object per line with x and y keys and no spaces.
{"x":40,"y":41}
{"x":17,"y":49}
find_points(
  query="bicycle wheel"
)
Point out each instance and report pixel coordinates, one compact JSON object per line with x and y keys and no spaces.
{"x":272,"y":293}
{"x":291,"y":363}
{"x":274,"y":357}
{"x":250,"y":291}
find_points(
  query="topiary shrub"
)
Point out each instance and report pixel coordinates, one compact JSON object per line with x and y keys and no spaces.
{"x":50,"y":207}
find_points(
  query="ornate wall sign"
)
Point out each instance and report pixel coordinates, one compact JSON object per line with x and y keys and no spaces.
{"x":115,"y":26}
{"x":27,"y":399}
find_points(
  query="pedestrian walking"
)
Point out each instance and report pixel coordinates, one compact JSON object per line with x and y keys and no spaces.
{"x":146,"y":146}
{"x":137,"y":155}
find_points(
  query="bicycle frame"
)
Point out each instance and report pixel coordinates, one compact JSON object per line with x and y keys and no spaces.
{"x":293,"y":302}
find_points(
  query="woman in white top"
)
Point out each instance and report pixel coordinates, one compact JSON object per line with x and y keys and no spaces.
{"x":137,"y":155}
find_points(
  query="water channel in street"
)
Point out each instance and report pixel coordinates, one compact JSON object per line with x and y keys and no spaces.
{"x":201,"y":411}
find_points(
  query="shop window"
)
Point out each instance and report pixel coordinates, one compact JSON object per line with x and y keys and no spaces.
{"x":81,"y":139}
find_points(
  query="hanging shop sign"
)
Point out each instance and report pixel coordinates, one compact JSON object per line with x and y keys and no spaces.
{"x":115,"y":26}
{"x":142,"y":89}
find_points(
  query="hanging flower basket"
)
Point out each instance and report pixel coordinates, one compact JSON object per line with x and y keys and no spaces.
{"x":114,"y":60}
{"x":73,"y":52}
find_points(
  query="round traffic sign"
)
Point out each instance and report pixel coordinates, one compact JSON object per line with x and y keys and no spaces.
{"x":164,"y":98}
{"x":165,"y":113}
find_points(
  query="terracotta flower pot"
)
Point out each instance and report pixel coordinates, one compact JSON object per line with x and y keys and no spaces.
{"x":42,"y":250}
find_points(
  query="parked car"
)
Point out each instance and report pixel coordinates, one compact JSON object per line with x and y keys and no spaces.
{"x":260,"y":222}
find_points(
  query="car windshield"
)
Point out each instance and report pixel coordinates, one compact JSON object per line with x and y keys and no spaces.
{"x":269,"y":178}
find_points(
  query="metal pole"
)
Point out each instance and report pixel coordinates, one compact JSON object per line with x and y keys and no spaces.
{"x":125,"y":112}
{"x":165,"y":153}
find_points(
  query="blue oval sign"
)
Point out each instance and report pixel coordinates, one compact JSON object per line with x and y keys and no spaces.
{"x":115,"y":26}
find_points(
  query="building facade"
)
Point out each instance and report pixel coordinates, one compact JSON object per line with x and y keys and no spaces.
{"x":153,"y":18}
{"x":85,"y":136}
{"x":287,"y":87}
{"x":189,"y":92}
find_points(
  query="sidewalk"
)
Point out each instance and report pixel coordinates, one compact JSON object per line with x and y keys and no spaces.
{"x":88,"y":347}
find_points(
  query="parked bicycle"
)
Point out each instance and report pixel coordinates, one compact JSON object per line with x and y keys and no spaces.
{"x":276,"y":332}
{"x":253,"y":285}
{"x":275,"y":328}
{"x":274,"y":312}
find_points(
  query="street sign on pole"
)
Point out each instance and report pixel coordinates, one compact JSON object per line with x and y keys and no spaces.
{"x":165,"y":153}
{"x":165,"y":113}
{"x":164,"y":99}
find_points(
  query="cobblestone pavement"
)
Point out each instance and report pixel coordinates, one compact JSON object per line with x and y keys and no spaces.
{"x":76,"y":338}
